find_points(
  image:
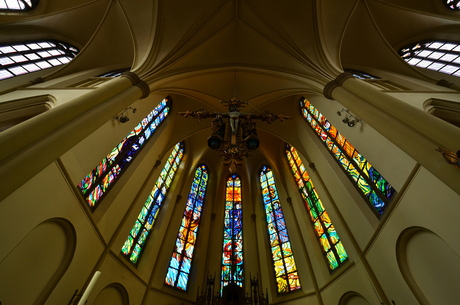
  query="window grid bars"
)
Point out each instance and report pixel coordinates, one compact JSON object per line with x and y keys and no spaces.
{"x":102,"y":178}
{"x":299,"y":173}
{"x":382,"y":201}
{"x":440,"y":56}
{"x":18,"y":5}
{"x":34,"y":56}
{"x":133,"y":247}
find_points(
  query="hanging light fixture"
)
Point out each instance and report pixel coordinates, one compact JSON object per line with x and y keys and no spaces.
{"x":234,"y":133}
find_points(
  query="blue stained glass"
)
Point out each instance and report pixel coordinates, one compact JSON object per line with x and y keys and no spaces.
{"x":128,"y":149}
{"x":279,"y":238}
{"x":188,"y":230}
{"x":150,"y":210}
{"x":183,"y":280}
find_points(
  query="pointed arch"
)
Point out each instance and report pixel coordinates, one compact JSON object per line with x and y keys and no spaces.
{"x":232,"y":252}
{"x":137,"y":239}
{"x":329,"y":240}
{"x":102,"y":178}
{"x":181,"y":260}
{"x":286,"y":275}
{"x":373,"y":187}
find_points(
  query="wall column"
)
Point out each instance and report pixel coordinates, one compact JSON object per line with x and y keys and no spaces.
{"x":34,"y":144}
{"x":415,"y":132}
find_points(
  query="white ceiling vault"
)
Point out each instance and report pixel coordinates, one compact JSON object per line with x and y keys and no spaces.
{"x":209,"y":48}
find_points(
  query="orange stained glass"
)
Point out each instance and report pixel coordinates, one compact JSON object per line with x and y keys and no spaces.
{"x":327,"y":236}
{"x":349,"y":149}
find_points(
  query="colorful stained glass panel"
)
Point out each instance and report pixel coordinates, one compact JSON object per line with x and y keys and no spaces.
{"x":365,"y":177}
{"x":321,"y":222}
{"x":151,"y":209}
{"x":178,"y":273}
{"x":283,"y":258}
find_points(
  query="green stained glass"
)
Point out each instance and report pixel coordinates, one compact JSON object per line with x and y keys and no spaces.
{"x":127,"y":245}
{"x":364,"y":186}
{"x":332,"y":260}
{"x":283,"y":258}
{"x":325,"y":231}
{"x":353,"y":172}
{"x":365,"y":177}
{"x":104,"y":176}
{"x":149,"y":212}
{"x":135,"y":229}
{"x":341,"y":251}
{"x":178,"y":273}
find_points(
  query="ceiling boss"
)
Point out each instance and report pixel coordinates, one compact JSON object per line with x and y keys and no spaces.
{"x":234,"y":133}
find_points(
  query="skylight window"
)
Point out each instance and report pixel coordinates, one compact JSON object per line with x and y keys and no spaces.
{"x":25,"y":57}
{"x":18,"y":5}
{"x":440,"y":56}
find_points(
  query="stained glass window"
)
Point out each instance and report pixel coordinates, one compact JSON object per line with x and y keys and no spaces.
{"x":181,"y":260}
{"x":452,"y":4}
{"x":329,"y":240}
{"x":97,"y":183}
{"x":134,"y":244}
{"x":285,"y":267}
{"x":232,"y":253}
{"x":441,"y":56}
{"x":18,"y":5}
{"x":371,"y":184}
{"x":25,"y":57}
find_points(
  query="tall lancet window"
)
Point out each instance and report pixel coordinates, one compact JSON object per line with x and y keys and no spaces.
{"x":137,"y":239}
{"x":375,"y":189}
{"x":325,"y":232}
{"x":436,"y":55}
{"x":25,"y":57}
{"x":18,"y":5}
{"x":286,"y":275}
{"x":232,"y":256}
{"x":101,"y":179}
{"x":181,"y":260}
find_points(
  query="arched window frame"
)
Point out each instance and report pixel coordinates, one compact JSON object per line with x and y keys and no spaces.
{"x":330,"y":244}
{"x":19,"y":58}
{"x":232,"y":252}
{"x":134,"y":245}
{"x":436,"y":55}
{"x":102,"y":178}
{"x":18,"y":5}
{"x":180,"y":264}
{"x":373,"y":187}
{"x":285,"y":268}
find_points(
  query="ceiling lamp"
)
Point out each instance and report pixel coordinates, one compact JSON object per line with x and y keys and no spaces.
{"x":234,"y":133}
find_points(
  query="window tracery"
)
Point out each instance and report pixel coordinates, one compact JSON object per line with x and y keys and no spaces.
{"x":232,"y":256}
{"x":25,"y":57}
{"x":97,"y":183}
{"x":181,"y":260}
{"x":286,"y":275}
{"x":137,"y":238}
{"x":329,"y":240}
{"x":436,"y":55}
{"x":371,"y":184}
